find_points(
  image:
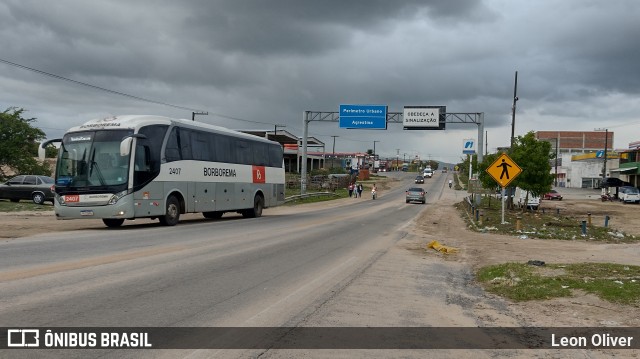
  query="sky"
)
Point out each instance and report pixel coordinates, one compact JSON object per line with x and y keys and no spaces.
{"x":255,"y":64}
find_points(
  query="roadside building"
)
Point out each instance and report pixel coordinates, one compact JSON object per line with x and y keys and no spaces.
{"x":292,"y":146}
{"x":629,"y":168}
{"x":581,"y":160}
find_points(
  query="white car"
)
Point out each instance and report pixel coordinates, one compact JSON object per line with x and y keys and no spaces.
{"x":628,"y":194}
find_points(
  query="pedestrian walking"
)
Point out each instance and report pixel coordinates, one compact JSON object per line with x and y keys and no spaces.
{"x":350,"y":188}
{"x":360,"y":189}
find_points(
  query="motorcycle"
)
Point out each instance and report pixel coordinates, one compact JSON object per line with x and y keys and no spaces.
{"x":373,"y":194}
{"x":607,"y":197}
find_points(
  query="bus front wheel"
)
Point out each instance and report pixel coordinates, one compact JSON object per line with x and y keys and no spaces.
{"x":172,"y":212}
{"x":113,"y":222}
{"x":256,"y":211}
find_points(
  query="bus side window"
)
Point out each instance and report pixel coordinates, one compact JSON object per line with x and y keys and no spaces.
{"x":142,"y":162}
{"x":260,"y":154}
{"x":185,"y":144}
{"x":155,"y":137}
{"x":243,"y":152}
{"x":172,"y":150}
{"x":200,"y":146}
{"x":223,"y":151}
{"x":275,"y":156}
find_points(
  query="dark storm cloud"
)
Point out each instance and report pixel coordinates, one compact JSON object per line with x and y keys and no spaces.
{"x":305,"y":28}
{"x":269,"y":61}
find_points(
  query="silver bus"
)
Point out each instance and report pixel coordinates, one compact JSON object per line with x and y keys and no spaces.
{"x":128,"y":167}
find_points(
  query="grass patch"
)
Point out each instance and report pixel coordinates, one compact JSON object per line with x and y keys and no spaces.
{"x":339,"y":193}
{"x":547,"y":224}
{"x":615,"y":283}
{"x":8,"y":206}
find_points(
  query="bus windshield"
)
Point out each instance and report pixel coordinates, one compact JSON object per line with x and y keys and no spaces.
{"x":92,"y":159}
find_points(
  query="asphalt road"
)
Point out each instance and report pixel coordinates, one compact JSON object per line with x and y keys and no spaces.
{"x":270,"y":271}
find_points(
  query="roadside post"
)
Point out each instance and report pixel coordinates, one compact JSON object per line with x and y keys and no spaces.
{"x":503,"y":170}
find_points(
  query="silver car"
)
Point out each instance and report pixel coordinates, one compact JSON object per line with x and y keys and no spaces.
{"x":36,"y":188}
{"x":416,"y":194}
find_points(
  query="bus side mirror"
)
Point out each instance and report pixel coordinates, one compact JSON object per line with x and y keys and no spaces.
{"x":125,"y":146}
{"x":42,"y":150}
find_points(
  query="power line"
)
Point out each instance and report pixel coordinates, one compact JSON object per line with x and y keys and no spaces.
{"x":94,"y":86}
{"x":41,"y":72}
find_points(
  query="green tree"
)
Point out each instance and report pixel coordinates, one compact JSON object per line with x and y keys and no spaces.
{"x":434,"y":164}
{"x":17,"y":140}
{"x":485,"y":179}
{"x":463,"y":168}
{"x":533,"y":157}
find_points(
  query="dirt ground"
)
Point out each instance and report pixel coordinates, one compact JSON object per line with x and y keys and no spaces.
{"x":441,"y":221}
{"x":582,"y":309}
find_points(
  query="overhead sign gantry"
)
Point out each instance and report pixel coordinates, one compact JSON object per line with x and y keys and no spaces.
{"x":419,"y":118}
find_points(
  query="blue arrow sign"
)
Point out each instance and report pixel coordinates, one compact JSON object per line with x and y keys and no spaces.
{"x":469,"y":147}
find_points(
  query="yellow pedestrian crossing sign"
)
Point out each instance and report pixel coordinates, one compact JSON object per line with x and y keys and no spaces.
{"x":504,"y":170}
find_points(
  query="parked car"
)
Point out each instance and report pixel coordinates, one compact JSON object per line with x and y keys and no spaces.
{"x":419,"y":179}
{"x":533,"y":202}
{"x":628,"y":194}
{"x":551,"y":195}
{"x":36,"y":188}
{"x":416,"y":194}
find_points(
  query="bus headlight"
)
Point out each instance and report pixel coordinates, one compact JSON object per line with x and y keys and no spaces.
{"x":116,"y":197}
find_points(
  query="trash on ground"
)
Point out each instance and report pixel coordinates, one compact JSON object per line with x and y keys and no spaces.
{"x":440,"y":248}
{"x":536,"y":263}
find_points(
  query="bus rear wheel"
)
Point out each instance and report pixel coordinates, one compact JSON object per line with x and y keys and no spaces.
{"x":113,"y":222}
{"x":172,"y":212}
{"x":256,"y":211}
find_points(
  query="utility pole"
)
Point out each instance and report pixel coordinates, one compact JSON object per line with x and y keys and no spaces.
{"x":333,"y":151}
{"x":606,"y":144}
{"x":373,"y":166}
{"x":555,"y":180}
{"x":486,"y":142}
{"x":193,"y":115}
{"x":275,"y":129}
{"x":513,"y":109}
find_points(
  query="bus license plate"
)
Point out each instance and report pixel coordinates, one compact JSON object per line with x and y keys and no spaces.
{"x":86,"y":212}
